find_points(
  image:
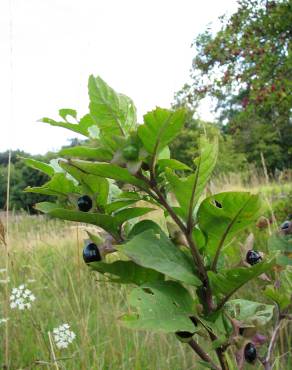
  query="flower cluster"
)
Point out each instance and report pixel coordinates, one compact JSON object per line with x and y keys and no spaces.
{"x":63,"y":336}
{"x":21,"y":298}
{"x":4,"y":320}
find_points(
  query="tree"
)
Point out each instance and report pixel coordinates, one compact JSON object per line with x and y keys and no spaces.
{"x":247,"y":68}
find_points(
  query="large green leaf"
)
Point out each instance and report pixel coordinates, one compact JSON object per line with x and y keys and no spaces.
{"x":222,"y":215}
{"x":40,"y":166}
{"x":130,"y":213}
{"x":106,"y":222}
{"x":162,"y":306}
{"x":160,"y":128}
{"x":228,"y":281}
{"x":85,"y":152}
{"x":58,"y":185}
{"x":114,"y":114}
{"x":154,"y":250}
{"x":189,"y":189}
{"x":107,"y":170}
{"x":249,"y":312}
{"x":126,"y":272}
{"x":80,"y":127}
{"x":95,"y":186}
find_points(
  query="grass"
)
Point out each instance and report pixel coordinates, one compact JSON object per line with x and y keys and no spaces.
{"x":46,"y":255}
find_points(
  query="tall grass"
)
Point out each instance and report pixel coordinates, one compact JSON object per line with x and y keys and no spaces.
{"x":46,"y":254}
{"x":43,"y":255}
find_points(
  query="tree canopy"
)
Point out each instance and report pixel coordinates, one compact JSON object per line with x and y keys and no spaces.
{"x":246,"y":67}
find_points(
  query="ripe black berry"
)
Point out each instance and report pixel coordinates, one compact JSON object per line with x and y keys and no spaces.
{"x":184,"y":336}
{"x":253,"y":257}
{"x":250,"y":353}
{"x":84,"y":203}
{"x":285,"y":225}
{"x":91,"y":253}
{"x":131,"y":152}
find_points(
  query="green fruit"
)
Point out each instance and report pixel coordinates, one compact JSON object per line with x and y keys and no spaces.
{"x":131,"y":152}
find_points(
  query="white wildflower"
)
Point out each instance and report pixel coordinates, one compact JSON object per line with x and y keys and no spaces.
{"x":63,"y":336}
{"x":3,"y":320}
{"x":21,"y":298}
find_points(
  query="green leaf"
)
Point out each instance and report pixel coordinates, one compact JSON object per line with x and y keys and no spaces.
{"x":85,"y":152}
{"x":58,"y":185}
{"x":223,"y":215}
{"x":160,"y":128}
{"x":162,"y":306}
{"x":107,"y":170}
{"x":281,"y":296}
{"x":283,"y":244}
{"x":95,"y":186}
{"x":40,"y":166}
{"x":119,"y":204}
{"x":154,"y":250}
{"x":228,"y":281}
{"x":106,"y":222}
{"x":67,"y":112}
{"x":173,"y":164}
{"x":126,"y":272}
{"x":188,"y":190}
{"x":142,"y":226}
{"x":249,"y":312}
{"x":114,"y":114}
{"x":80,"y":128}
{"x":130,"y":213}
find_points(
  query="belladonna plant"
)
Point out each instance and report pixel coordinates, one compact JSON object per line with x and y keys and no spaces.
{"x":182,"y":261}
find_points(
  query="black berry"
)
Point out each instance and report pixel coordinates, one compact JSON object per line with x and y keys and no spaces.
{"x":131,"y":152}
{"x":91,"y":253}
{"x":184,"y":334}
{"x":250,"y":353}
{"x":253,"y":257}
{"x":84,"y":203}
{"x":285,"y":225}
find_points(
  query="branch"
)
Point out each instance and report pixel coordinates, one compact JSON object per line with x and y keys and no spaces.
{"x":267,"y":360}
{"x":202,"y":354}
{"x":159,"y":197}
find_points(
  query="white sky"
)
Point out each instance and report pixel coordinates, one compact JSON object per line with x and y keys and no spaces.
{"x":139,"y":47}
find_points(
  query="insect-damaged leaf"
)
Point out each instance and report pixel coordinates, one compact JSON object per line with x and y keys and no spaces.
{"x":154,"y":250}
{"x":161,"y":306}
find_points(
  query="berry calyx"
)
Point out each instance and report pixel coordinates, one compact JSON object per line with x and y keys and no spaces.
{"x":84,"y":203}
{"x":131,"y":152}
{"x":253,"y":257}
{"x":250,"y":353}
{"x":91,"y":253}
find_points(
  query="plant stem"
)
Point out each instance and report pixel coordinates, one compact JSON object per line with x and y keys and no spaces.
{"x":267,"y":360}
{"x":202,"y":354}
{"x":159,"y":197}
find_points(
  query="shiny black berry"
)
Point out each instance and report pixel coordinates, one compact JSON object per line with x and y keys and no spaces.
{"x":84,"y":203}
{"x":131,"y":152}
{"x":91,"y":253}
{"x":285,"y":225}
{"x":253,"y":257}
{"x":250,"y":353}
{"x":184,"y":336}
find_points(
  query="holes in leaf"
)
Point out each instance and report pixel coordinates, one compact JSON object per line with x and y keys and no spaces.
{"x":148,"y":291}
{"x":217,"y":204}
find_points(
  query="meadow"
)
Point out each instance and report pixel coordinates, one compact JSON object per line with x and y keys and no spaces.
{"x":46,"y":255}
